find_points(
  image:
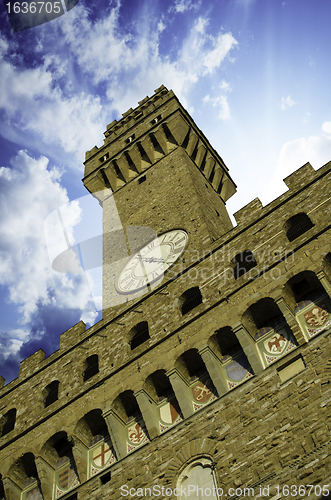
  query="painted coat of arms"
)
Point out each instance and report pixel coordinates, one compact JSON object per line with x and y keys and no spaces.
{"x":170,"y":414}
{"x":101,"y":456}
{"x":317,"y":316}
{"x":203,"y":392}
{"x":237,"y":371}
{"x":66,"y":479}
{"x":275,"y":344}
{"x":33,"y":494}
{"x":137,"y":435}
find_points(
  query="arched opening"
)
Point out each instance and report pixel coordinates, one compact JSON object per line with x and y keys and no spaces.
{"x":58,"y":453}
{"x":235,"y":365}
{"x":126,"y":406}
{"x":51,"y":393}
{"x":91,"y":367}
{"x":267,"y":325}
{"x":243,"y":262}
{"x":312,"y":306}
{"x":225,"y":343}
{"x":138,"y":334}
{"x":8,"y":422}
{"x":158,"y":386}
{"x":190,"y":299}
{"x":91,"y":425}
{"x":297,"y":225}
{"x":134,"y":429}
{"x":260,"y":315}
{"x":191,"y":365}
{"x":92,"y":430}
{"x":24,"y":474}
{"x":199,"y":475}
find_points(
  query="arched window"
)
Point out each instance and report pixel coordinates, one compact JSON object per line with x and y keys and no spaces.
{"x":139,"y":334}
{"x":199,"y":478}
{"x":92,"y":367}
{"x":190,"y":299}
{"x":244,"y":261}
{"x":9,"y":420}
{"x":297,"y":225}
{"x":51,"y":393}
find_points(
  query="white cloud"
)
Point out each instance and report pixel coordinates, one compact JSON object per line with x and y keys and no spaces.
{"x":326,"y":127}
{"x":57,"y":104}
{"x":286,"y":103}
{"x":184,"y":5}
{"x":35,"y":104}
{"x":32,"y":192}
{"x":222,"y":46}
{"x":221,"y":104}
{"x":293,"y":155}
{"x":225,"y":86}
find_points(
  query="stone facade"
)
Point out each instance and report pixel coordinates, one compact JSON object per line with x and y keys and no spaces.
{"x":221,"y":366}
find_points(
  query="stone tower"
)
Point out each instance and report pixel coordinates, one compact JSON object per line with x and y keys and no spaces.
{"x":160,"y":172}
{"x":209,"y":374}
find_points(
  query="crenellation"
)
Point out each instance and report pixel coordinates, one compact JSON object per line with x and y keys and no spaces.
{"x":31,"y":364}
{"x":300,"y":177}
{"x":71,"y":336}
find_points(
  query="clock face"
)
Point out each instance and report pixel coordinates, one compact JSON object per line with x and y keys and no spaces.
{"x":151,"y":262}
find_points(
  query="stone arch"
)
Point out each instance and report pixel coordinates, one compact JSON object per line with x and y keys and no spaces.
{"x":7,"y":422}
{"x":224,"y":342}
{"x":190,"y":299}
{"x":183,"y":455}
{"x":200,"y":474}
{"x":297,"y":225}
{"x":266,"y":324}
{"x":50,"y":393}
{"x":90,"y":425}
{"x":23,"y":470}
{"x":303,"y":286}
{"x":58,"y":458}
{"x":91,"y":367}
{"x":157,"y":385}
{"x":243,"y":262}
{"x":138,"y":334}
{"x":261,"y":314}
{"x":190,"y":364}
{"x":126,"y":406}
{"x":59,"y":445}
{"x":310,"y":303}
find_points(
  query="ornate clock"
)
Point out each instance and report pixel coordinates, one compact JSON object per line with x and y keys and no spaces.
{"x":151,"y":262}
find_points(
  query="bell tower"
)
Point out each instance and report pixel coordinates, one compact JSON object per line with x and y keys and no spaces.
{"x":156,"y":172}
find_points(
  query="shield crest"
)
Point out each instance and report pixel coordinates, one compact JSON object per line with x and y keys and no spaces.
{"x":237,"y":369}
{"x":34,"y":494}
{"x":317,"y":316}
{"x":275,"y":344}
{"x":66,"y":477}
{"x":137,"y":433}
{"x":169,"y":412}
{"x":202,"y":392}
{"x":101,"y":455}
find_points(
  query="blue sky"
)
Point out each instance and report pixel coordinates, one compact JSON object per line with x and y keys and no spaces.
{"x":254,"y":74}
